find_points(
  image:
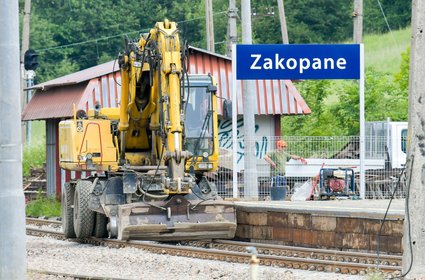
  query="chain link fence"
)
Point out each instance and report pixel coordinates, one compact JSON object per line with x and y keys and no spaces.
{"x":333,"y":165}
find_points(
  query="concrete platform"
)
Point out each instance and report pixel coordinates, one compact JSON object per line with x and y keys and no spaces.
{"x":334,"y":224}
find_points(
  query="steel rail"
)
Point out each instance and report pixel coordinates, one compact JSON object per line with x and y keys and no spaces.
{"x":302,"y":252}
{"x":37,"y":221}
{"x":296,"y":262}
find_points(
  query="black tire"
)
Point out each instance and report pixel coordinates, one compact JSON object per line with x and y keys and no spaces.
{"x":67,"y":211}
{"x":83,"y":216}
{"x":100,"y":230}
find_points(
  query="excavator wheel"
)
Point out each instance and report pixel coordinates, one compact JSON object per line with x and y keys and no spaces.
{"x":100,"y":230}
{"x":83,"y":216}
{"x":67,"y":212}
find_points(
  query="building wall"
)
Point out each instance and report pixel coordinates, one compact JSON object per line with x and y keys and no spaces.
{"x":264,"y":138}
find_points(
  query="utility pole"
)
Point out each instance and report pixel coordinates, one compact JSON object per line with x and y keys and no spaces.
{"x":12,"y":203}
{"x":24,"y":48}
{"x":282,"y":19}
{"x":358,"y":39}
{"x":414,"y":222}
{"x":250,"y":160}
{"x":210,"y":25}
{"x":358,"y":22}
{"x":232,"y":35}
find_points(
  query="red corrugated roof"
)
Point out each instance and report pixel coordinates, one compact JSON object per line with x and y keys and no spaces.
{"x":55,"y":98}
{"x":55,"y":103}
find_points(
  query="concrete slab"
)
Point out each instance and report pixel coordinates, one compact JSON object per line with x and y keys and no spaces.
{"x":339,"y":208}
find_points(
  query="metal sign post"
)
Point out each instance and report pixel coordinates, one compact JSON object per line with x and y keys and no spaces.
{"x":29,"y":77}
{"x":234,"y":125}
{"x":362,"y":125}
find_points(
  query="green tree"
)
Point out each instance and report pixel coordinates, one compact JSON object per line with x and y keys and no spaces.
{"x":397,"y":12}
{"x":335,"y":105}
{"x":88,"y":32}
{"x":309,"y":21}
{"x":383,"y":99}
{"x":402,"y":77}
{"x":85,"y":32}
{"x":316,"y":94}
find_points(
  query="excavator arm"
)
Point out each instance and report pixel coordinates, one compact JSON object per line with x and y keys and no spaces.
{"x":151,"y":101}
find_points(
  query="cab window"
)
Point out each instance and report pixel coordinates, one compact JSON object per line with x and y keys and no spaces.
{"x":404,"y":140}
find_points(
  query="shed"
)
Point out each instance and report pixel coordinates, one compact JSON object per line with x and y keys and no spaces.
{"x":55,"y":100}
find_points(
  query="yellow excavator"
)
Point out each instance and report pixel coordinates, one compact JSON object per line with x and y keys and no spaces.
{"x":151,"y":155}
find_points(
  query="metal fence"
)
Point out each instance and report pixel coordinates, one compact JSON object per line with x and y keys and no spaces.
{"x":332,"y":167}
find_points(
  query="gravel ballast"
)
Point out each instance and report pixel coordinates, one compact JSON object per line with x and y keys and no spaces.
{"x":68,"y":257}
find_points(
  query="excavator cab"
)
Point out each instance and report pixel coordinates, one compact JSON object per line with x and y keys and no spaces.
{"x":200,"y":124}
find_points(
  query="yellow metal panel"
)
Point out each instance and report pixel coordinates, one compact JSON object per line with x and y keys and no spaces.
{"x":65,"y":141}
{"x":87,"y":145}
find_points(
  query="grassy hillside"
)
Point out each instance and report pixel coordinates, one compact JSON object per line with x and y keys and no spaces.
{"x":383,"y":51}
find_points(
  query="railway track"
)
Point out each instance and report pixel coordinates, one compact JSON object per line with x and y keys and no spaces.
{"x":344,"y":262}
{"x":301,"y":252}
{"x":43,"y":222}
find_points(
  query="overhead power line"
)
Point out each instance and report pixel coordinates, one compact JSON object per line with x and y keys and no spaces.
{"x":114,"y":36}
{"x":386,"y":21}
{"x":89,"y":41}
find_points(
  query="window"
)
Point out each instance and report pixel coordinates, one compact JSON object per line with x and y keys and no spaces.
{"x":404,"y":140}
{"x":199,"y":121}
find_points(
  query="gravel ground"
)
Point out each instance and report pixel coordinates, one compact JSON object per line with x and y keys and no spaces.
{"x":47,"y":254}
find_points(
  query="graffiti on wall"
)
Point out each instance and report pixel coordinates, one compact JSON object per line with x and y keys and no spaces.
{"x":226,"y":141}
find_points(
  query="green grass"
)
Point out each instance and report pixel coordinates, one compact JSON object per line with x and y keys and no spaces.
{"x":35,"y":154}
{"x":383,"y":51}
{"x":43,"y":207}
{"x":38,"y":131}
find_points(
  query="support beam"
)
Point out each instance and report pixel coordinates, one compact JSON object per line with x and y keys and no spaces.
{"x":250,"y":160}
{"x":282,"y":19}
{"x":414,"y":223}
{"x":232,"y":35}
{"x":24,"y":48}
{"x":210,"y":25}
{"x":12,"y":203}
{"x":358,"y":22}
